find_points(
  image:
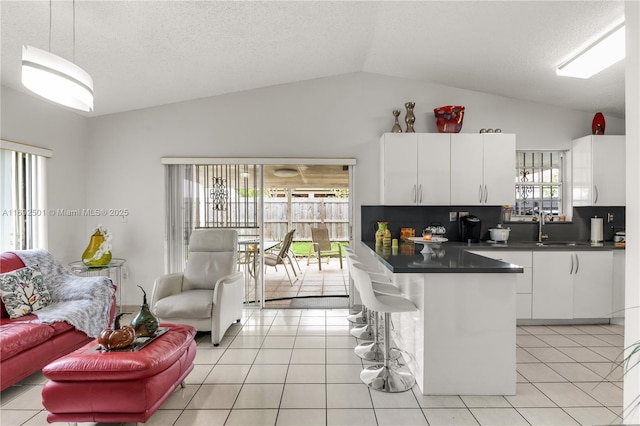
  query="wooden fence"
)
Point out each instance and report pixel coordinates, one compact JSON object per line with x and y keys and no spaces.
{"x":302,"y":214}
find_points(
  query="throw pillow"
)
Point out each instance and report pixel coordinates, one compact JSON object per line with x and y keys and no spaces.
{"x":23,"y":291}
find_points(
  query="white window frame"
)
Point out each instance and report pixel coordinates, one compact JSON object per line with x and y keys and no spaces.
{"x":538,"y":185}
{"x":23,"y":209}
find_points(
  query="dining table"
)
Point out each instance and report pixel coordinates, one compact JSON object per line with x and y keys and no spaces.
{"x":249,"y":255}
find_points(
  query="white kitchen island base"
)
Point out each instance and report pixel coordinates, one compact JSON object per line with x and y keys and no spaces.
{"x":462,"y":339}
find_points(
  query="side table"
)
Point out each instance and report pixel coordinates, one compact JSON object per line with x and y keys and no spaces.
{"x":113,"y":270}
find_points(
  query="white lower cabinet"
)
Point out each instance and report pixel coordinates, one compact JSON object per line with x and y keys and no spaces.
{"x":563,"y":284}
{"x":523,"y":281}
{"x":618,"y":284}
{"x":572,"y":285}
{"x":552,"y":285}
{"x":593,"y":285}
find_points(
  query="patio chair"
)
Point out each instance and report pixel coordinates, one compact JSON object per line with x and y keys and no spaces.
{"x":283,"y":257}
{"x":322,"y":246}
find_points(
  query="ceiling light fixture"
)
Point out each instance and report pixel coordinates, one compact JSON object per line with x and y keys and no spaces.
{"x":601,"y":54}
{"x":285,"y":173}
{"x":56,"y":78}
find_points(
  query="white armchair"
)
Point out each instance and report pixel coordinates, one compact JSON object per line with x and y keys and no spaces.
{"x":208,"y":295}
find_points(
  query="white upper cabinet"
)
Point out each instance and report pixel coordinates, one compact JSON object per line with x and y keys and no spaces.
{"x":483,"y":168}
{"x":415,"y":169}
{"x":598,"y":170}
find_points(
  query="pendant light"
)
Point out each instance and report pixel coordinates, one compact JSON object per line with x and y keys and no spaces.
{"x":56,"y":78}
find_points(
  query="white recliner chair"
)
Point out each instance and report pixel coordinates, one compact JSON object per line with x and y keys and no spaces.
{"x":209,"y":294}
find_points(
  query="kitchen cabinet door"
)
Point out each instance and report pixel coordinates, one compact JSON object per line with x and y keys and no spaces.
{"x":398,"y":169}
{"x":482,"y":168}
{"x":598,"y":171}
{"x":552,"y":285}
{"x":467,"y":185}
{"x":415,"y":169}
{"x":499,"y":162}
{"x":618,"y":283}
{"x":593,"y":284}
{"x":434,"y":169}
{"x":523,"y":280}
{"x":609,"y":175}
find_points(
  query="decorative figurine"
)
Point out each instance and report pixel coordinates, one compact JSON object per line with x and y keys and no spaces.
{"x":396,"y":125}
{"x":410,"y":118}
{"x":145,"y":323}
{"x":116,"y":337}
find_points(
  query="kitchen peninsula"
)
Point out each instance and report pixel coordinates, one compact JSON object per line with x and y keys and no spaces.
{"x":462,"y":339}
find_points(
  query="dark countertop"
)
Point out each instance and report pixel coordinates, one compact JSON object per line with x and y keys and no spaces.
{"x":454,"y":257}
{"x":446,"y":259}
{"x":532,"y":245}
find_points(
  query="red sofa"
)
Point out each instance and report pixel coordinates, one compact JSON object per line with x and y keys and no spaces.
{"x":27,"y":346}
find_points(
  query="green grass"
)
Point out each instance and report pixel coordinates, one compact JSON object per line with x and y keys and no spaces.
{"x":301,"y":248}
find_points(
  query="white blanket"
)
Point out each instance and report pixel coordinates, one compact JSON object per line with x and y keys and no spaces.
{"x":83,"y":302}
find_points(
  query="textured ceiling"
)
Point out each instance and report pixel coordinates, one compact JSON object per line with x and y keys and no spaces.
{"x":148,"y":53}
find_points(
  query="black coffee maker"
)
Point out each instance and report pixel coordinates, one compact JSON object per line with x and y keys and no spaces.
{"x":470,"y":229}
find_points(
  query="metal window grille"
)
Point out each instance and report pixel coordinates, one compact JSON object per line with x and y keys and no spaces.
{"x":539,"y":182}
{"x":226,"y":196}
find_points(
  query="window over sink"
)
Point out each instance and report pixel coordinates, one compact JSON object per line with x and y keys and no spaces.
{"x":539,"y":184}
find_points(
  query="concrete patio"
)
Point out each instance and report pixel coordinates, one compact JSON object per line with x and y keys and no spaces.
{"x":311,"y":282}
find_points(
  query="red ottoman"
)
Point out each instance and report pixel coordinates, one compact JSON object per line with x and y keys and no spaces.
{"x":93,"y":386}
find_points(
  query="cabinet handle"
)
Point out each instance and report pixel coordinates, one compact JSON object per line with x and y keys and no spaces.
{"x":486,"y":194}
{"x":595,"y":188}
{"x":480,"y":193}
{"x":571,"y":272}
{"x":420,"y":194}
{"x":577,"y":263}
{"x":413,"y":192}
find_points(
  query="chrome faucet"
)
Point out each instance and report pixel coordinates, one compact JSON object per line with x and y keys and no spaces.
{"x":541,"y":236}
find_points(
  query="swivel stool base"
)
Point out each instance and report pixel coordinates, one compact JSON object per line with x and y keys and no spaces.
{"x":386,"y":379}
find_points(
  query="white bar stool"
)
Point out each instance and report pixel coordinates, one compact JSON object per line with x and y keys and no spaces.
{"x":374,"y":350}
{"x":382,"y":284}
{"x":385,"y":377}
{"x":359,"y":318}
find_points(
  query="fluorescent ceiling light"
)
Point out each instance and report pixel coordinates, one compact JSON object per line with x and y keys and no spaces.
{"x":285,"y":173}
{"x":56,"y":79}
{"x":605,"y":52}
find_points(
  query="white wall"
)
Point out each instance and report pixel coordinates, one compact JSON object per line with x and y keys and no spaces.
{"x":632,"y":252}
{"x":341,"y":116}
{"x":33,"y":121}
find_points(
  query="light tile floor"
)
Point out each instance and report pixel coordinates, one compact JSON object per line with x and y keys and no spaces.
{"x":297,"y":367}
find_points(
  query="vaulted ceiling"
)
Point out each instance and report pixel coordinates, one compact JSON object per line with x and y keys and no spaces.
{"x":147,"y":53}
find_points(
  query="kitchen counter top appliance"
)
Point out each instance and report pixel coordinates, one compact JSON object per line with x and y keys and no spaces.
{"x":470,"y":227}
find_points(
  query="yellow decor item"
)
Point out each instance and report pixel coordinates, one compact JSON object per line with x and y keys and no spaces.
{"x":383,"y":235}
{"x":98,"y":252}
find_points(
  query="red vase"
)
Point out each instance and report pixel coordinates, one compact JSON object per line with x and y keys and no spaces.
{"x":597,"y":125}
{"x":449,"y":118}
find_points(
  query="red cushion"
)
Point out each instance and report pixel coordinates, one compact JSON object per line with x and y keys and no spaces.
{"x":18,"y":336}
{"x":8,"y":262}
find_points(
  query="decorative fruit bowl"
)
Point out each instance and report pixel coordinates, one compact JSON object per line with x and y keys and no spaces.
{"x":449,"y":118}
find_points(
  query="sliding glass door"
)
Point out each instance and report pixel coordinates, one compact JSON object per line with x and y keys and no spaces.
{"x":266,"y":201}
